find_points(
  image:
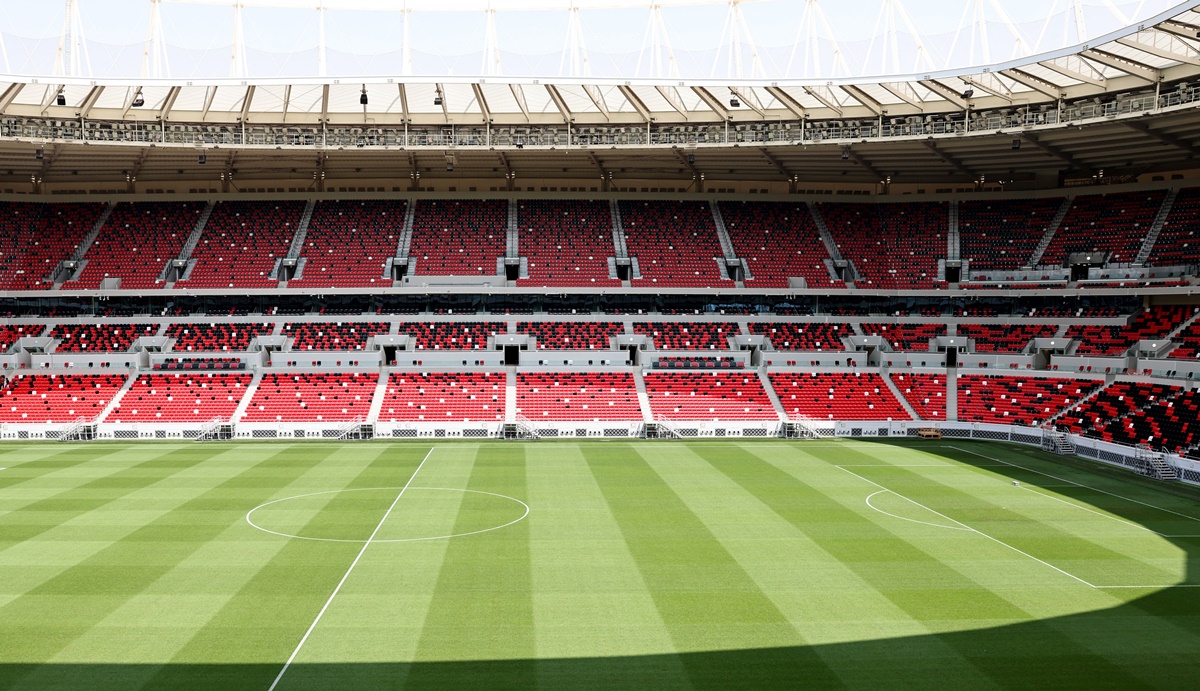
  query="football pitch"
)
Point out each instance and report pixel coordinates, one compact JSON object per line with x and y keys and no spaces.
{"x":582,"y":564}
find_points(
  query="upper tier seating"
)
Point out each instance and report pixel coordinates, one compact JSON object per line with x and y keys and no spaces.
{"x":349,"y":242}
{"x":458,"y":237}
{"x":312,"y":397}
{"x":1005,"y":338}
{"x":1027,"y":401}
{"x":191,"y":397}
{"x":777,"y":240}
{"x":708,"y":396}
{"x":1179,"y":240}
{"x":589,"y":396}
{"x":333,"y":336}
{"x":1154,"y":323}
{"x":216,"y":337}
{"x":10,"y":333}
{"x":675,"y":243}
{"x":452,"y":335}
{"x":906,"y":336}
{"x":1117,"y":401}
{"x":572,"y":335}
{"x":136,"y":243}
{"x":685,"y":336}
{"x":926,"y":393}
{"x":34,"y":238}
{"x":444,"y":397}
{"x":1115,"y":223}
{"x":893,"y":245}
{"x":803,"y":336}
{"x":241,"y":243}
{"x":58,"y":399}
{"x":567,"y":242}
{"x":837,"y":396}
{"x":1001,"y":234}
{"x":1172,"y":423}
{"x":99,"y":338}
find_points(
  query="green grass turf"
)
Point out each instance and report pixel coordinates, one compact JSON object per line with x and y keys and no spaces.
{"x":651,"y":565}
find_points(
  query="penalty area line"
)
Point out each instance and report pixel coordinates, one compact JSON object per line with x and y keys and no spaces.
{"x":346,"y":575}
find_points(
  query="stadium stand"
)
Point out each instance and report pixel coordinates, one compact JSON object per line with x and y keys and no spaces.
{"x":333,"y":336}
{"x":906,"y":336}
{"x":778,"y":240}
{"x":216,"y":337}
{"x":688,"y":336}
{"x":312,"y":396}
{"x":803,"y":336}
{"x":11,"y":333}
{"x":1189,"y":343}
{"x":675,"y":243}
{"x":1028,"y":401}
{"x":1172,"y":423}
{"x":1114,"y":223}
{"x":715,"y":396}
{"x":349,"y":241}
{"x":136,"y":243}
{"x":444,"y":397}
{"x":572,"y":335}
{"x":34,"y":238}
{"x":1154,"y":323}
{"x":458,"y":237}
{"x":926,"y":393}
{"x":1005,"y":338}
{"x":893,"y":245}
{"x":594,"y":396}
{"x":191,"y":397}
{"x":61,"y":398}
{"x":1179,"y":242}
{"x":241,"y":243}
{"x":1114,"y":402}
{"x":567,"y":242}
{"x":103,"y":338}
{"x":1001,"y":235}
{"x":837,"y":396}
{"x":452,"y":335}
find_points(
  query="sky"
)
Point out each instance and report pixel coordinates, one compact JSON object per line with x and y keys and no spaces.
{"x":282,"y":42}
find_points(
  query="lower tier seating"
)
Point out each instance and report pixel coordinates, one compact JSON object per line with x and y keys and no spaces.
{"x":312,"y":397}
{"x":1116,"y":401}
{"x":926,"y":393}
{"x":1189,"y":343}
{"x":1026,"y":401}
{"x":1171,"y":424}
{"x":591,"y":396}
{"x":42,"y":398}
{"x":837,"y":396}
{"x":444,"y":397}
{"x":452,"y":335}
{"x":191,"y":397}
{"x":708,"y":396}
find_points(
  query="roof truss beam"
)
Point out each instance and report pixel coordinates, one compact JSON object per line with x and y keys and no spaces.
{"x":671,"y":94}
{"x":991,"y":84}
{"x":945,"y":92}
{"x":1131,"y":67}
{"x":210,"y":94}
{"x":9,"y":94}
{"x":949,"y":160}
{"x":636,"y":102}
{"x":483,"y":104}
{"x":857,"y":158}
{"x":168,"y":103}
{"x":1172,"y":140}
{"x":559,"y":102}
{"x":904,"y":92}
{"x":788,"y":102}
{"x":1035,"y":83}
{"x":862,"y":97}
{"x":1163,"y":45}
{"x":246,"y":100}
{"x":1055,"y":152}
{"x":1076,"y":67}
{"x":403,"y":101}
{"x":90,"y":101}
{"x":775,"y":163}
{"x":593,"y":92}
{"x":825,"y":96}
{"x":711,"y":101}
{"x":519,"y":94}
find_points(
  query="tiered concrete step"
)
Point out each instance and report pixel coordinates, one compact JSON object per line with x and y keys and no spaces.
{"x":1051,"y":229}
{"x":639,"y":384}
{"x":1155,"y":228}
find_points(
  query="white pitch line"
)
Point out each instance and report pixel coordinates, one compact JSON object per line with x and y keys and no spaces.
{"x":902,"y":518}
{"x":1077,"y":484}
{"x":347,"y":574}
{"x":974,"y":530}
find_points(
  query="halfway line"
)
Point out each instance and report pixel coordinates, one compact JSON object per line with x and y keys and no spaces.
{"x":354,"y":563}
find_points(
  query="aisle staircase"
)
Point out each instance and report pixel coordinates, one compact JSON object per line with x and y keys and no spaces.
{"x":1156,"y":227}
{"x":1048,"y":236}
{"x":887,"y":379}
{"x":1154,"y":464}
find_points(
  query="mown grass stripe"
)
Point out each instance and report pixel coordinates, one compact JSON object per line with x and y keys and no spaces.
{"x":481,"y":614}
{"x":263,"y":620}
{"x":97,"y":586}
{"x":703,"y":595}
{"x":808,"y":507}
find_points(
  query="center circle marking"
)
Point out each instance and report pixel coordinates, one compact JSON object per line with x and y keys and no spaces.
{"x":250,"y":514}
